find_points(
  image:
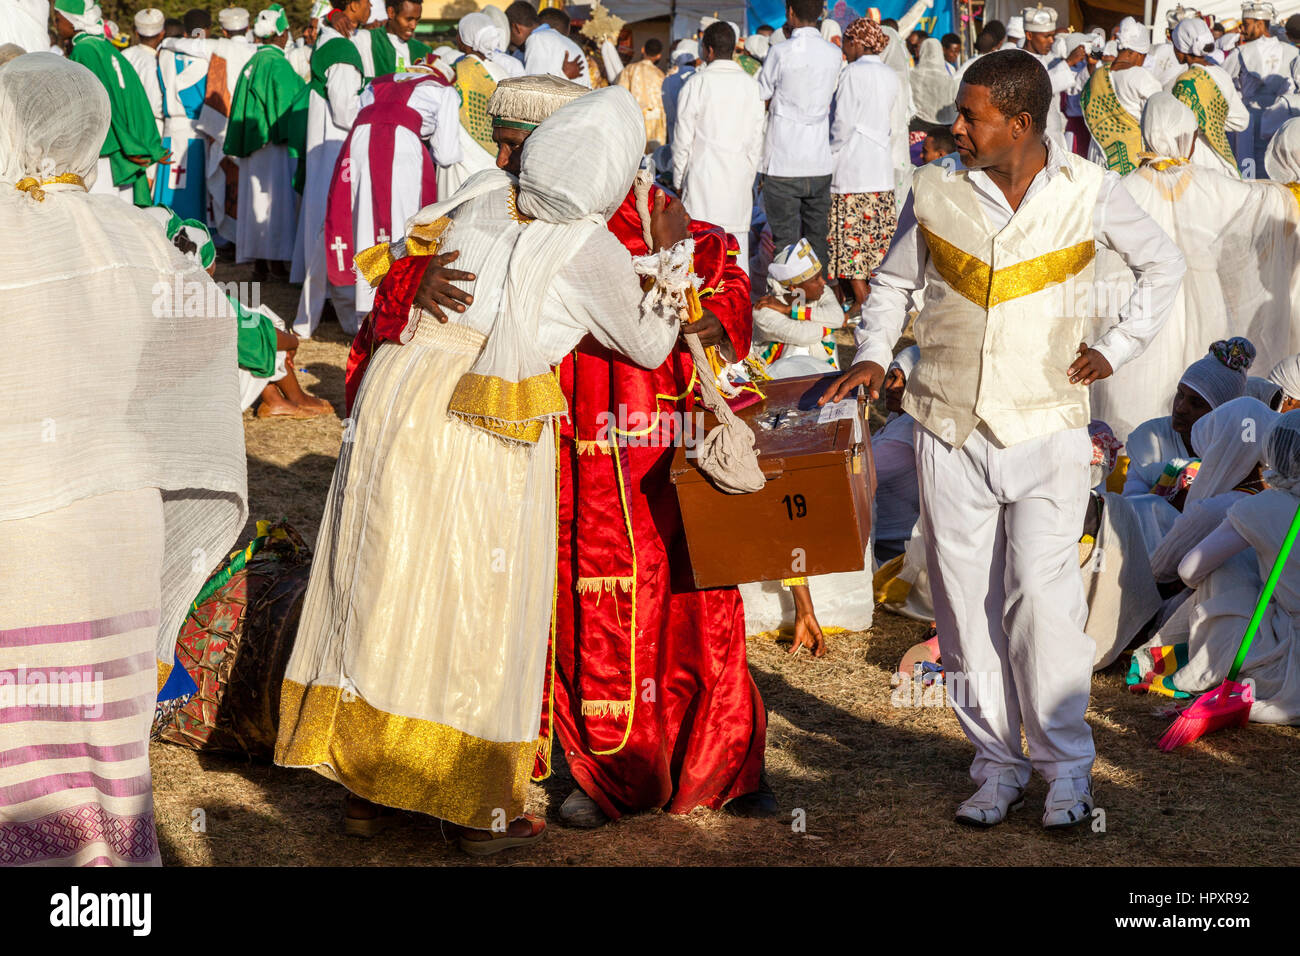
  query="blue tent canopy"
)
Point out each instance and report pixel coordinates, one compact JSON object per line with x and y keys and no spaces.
{"x":938,"y":20}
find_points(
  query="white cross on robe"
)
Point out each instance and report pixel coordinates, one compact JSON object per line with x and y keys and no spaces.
{"x":338,"y":247}
{"x":382,"y":235}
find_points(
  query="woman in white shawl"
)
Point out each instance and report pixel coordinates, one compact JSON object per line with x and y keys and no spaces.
{"x":1242,"y":250}
{"x":417,"y":676}
{"x":895,"y":57}
{"x":124,"y":478}
{"x":1194,"y":650}
{"x":934,"y":89}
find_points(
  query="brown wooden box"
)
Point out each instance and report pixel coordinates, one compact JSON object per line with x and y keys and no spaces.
{"x":820,"y":482}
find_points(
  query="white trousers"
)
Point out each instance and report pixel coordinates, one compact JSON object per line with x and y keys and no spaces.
{"x":1002,"y":554}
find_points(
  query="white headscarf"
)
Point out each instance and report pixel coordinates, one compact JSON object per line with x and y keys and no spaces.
{"x":831,"y":30}
{"x":758,"y":45}
{"x":92,"y":21}
{"x":1168,"y":126}
{"x":569,"y":193}
{"x":1228,"y":441}
{"x":142,"y":392}
{"x":933,"y":88}
{"x":499,"y":20}
{"x":1193,"y":37}
{"x":1286,"y":375}
{"x":1282,"y":159}
{"x":1132,"y":35}
{"x":480,"y":34}
{"x":1221,"y":375}
{"x":1282,"y":453}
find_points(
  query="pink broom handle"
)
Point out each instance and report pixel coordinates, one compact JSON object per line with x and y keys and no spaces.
{"x":1266,"y":595}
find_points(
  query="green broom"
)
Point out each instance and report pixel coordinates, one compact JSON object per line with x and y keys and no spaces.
{"x":1228,"y":705}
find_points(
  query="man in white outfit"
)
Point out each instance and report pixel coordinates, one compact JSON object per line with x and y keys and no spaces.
{"x":799,"y":78}
{"x":336,"y":81}
{"x":1040,"y":31}
{"x":546,"y":50}
{"x":1260,"y":66}
{"x":143,"y":55}
{"x":1192,"y":44}
{"x":719,"y":140}
{"x":1000,"y":401}
{"x":1113,"y":144}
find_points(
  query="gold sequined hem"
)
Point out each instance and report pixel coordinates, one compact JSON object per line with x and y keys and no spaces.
{"x":403,"y":762}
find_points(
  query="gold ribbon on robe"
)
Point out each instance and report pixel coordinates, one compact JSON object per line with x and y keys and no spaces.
{"x":976,"y":280}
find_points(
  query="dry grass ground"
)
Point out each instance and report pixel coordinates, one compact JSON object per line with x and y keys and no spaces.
{"x":876,"y":783}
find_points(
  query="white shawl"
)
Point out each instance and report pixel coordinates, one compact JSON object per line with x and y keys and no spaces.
{"x":122,"y":370}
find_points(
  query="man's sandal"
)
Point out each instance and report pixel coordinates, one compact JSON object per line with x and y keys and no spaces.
{"x":376,"y":822}
{"x":486,"y":843}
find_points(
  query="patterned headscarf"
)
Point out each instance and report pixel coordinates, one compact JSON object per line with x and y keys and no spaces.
{"x":868,"y":33}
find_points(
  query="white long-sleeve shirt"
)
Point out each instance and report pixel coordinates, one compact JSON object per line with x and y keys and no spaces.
{"x":1118,"y":223}
{"x":799,"y":78}
{"x":717,"y":144}
{"x":861,"y":157}
{"x":145,"y":61}
{"x":545,"y":51}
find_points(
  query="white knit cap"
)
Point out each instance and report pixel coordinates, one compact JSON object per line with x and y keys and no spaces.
{"x":526,"y":101}
{"x":1193,"y":37}
{"x":233,"y":18}
{"x":1133,"y":36}
{"x":1039,"y":19}
{"x":1016,"y":27}
{"x":149,"y":22}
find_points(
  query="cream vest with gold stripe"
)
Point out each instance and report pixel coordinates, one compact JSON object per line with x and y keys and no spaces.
{"x":998,"y":296}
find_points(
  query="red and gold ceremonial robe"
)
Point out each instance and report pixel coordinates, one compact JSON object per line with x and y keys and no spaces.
{"x":648,"y":689}
{"x":651,"y":697}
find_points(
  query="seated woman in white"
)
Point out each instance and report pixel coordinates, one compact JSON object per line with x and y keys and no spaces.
{"x":1228,"y":569}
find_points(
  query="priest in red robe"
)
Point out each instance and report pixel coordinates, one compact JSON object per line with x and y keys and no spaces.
{"x":650,"y":694}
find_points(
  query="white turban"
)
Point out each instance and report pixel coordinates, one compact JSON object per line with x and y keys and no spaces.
{"x":1286,"y":376}
{"x":1133,"y":36}
{"x":794,"y":264}
{"x":1168,"y":126}
{"x":1229,"y":41}
{"x":378,"y":11}
{"x":320,"y":9}
{"x":149,"y":22}
{"x":1193,"y":37}
{"x":1180,"y":13}
{"x":233,"y":18}
{"x":480,"y":34}
{"x":1258,"y":11}
{"x":1016,"y":28}
{"x":1110,"y":49}
{"x":1282,"y":160}
{"x":758,"y":45}
{"x":1221,"y":375}
{"x":830,"y":29}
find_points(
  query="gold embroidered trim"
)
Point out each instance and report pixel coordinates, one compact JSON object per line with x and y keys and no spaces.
{"x":32,"y":186}
{"x":402,"y":762}
{"x":1295,"y":190}
{"x":513,"y":410}
{"x":606,"y":708}
{"x":792,"y":582}
{"x":373,"y":264}
{"x":598,"y":586}
{"x":972,"y":277}
{"x":512,"y":206}
{"x":422,"y":240}
{"x":591,"y":447}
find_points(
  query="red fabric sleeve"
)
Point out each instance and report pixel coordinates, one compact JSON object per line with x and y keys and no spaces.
{"x":387,"y":319}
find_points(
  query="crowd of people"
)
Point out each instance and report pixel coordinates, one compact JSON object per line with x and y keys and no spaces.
{"x":1059,"y":259}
